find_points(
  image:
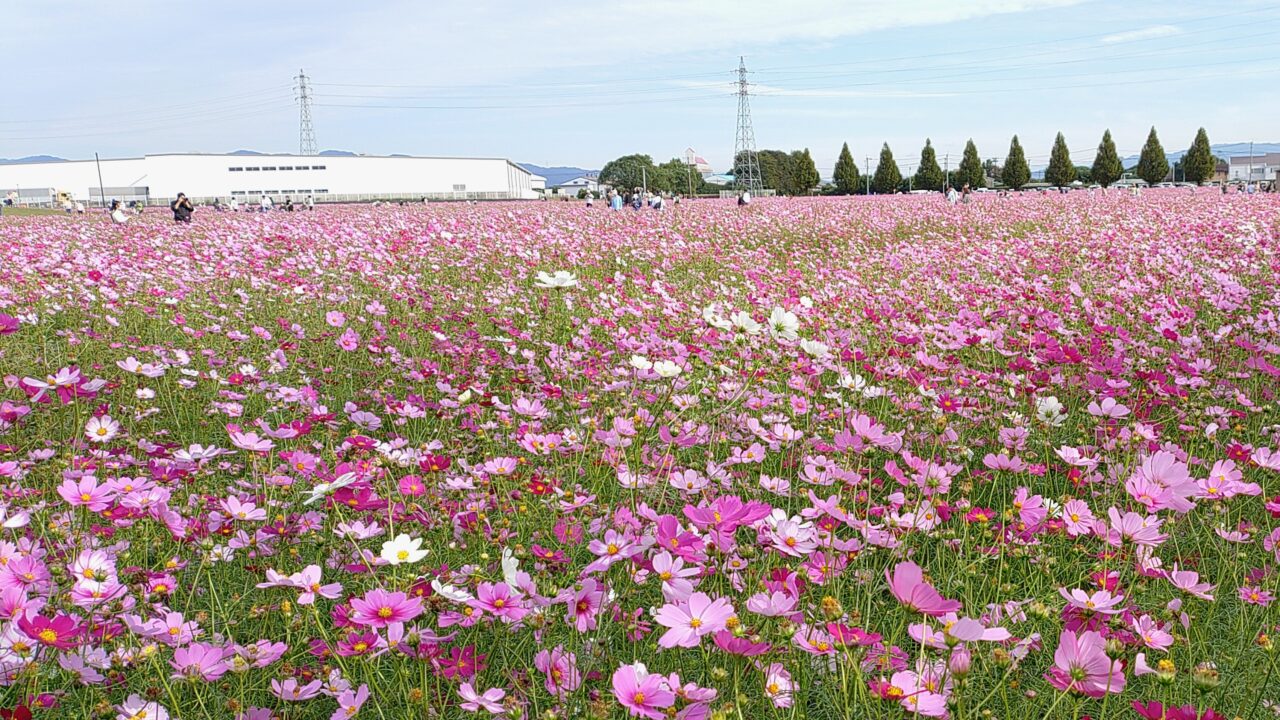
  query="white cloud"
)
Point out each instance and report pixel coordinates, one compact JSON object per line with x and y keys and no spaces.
{"x":1147,"y":33}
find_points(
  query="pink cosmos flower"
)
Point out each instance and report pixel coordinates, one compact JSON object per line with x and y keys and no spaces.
{"x":498,"y":600}
{"x":350,"y":702}
{"x":1102,"y":601}
{"x":1151,"y":633}
{"x":584,"y":604}
{"x":349,"y":340}
{"x":335,"y":319}
{"x":473,"y":701}
{"x":1078,"y":518}
{"x":61,"y":632}
{"x":560,"y":670}
{"x":1255,"y":595}
{"x":1188,"y":581}
{"x":379,"y":608}
{"x":642,"y":694}
{"x":778,"y":686}
{"x":908,"y":586}
{"x":199,"y":660}
{"x":251,"y":442}
{"x":292,"y":691}
{"x":1081,"y":665}
{"x":86,"y":492}
{"x":689,"y":622}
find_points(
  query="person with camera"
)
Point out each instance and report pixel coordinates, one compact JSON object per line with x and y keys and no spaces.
{"x":182,"y":208}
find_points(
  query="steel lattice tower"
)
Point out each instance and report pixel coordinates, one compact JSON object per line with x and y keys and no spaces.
{"x":306,"y":132}
{"x":746,"y":163}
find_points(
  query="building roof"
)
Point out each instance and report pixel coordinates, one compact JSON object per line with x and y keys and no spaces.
{"x":1258,"y":159}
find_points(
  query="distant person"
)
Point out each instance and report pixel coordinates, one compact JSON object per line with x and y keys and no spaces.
{"x":182,"y":208}
{"x":952,"y":196}
{"x":311,"y":202}
{"x":590,"y":199}
{"x":288,"y":204}
{"x":264,"y":205}
{"x":235,"y":204}
{"x":79,"y":208}
{"x":744,"y":198}
{"x":615,"y":200}
{"x":657,"y":202}
{"x":117,"y":213}
{"x":965,"y":192}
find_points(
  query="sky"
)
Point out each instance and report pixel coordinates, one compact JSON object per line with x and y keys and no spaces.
{"x":580,"y":83}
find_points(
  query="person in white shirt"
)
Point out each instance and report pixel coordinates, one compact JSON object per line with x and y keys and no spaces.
{"x":234,"y":204}
{"x":265,"y":205}
{"x":117,"y":213}
{"x":311,"y":203}
{"x":79,"y":208}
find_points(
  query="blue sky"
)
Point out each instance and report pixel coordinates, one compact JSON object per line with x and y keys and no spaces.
{"x":578,"y":83}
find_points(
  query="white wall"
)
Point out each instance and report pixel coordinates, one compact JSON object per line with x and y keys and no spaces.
{"x":203,"y":176}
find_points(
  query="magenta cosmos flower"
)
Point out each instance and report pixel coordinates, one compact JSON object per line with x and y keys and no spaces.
{"x":1081,"y":665}
{"x":689,"y":622}
{"x":61,"y":632}
{"x":642,"y":694}
{"x":908,"y":586}
{"x":379,"y":608}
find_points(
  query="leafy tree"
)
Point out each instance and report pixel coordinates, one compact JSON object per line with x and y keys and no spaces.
{"x":887,"y":175}
{"x":929,"y":175}
{"x":1153,"y":165}
{"x":1015,"y":173}
{"x":805,"y":175}
{"x":1107,"y":167}
{"x":970,"y":170}
{"x":1084,"y":173}
{"x":1061,"y":171}
{"x":628,"y":171}
{"x":775,"y":169}
{"x":846,"y":177}
{"x":1199,"y":163}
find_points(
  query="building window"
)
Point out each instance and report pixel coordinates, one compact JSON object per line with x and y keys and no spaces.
{"x":303,"y":167}
{"x":286,"y":167}
{"x":270,"y":192}
{"x":288,"y":192}
{"x":317,"y":167}
{"x":252,"y":169}
{"x":268,"y":168}
{"x":459,"y":188}
{"x":252,"y":192}
{"x":235,"y":169}
{"x":322,"y":191}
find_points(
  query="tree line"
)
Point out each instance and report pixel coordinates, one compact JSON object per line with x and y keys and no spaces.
{"x":794,"y":173}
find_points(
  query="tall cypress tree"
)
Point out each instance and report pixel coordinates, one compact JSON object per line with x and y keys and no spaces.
{"x":845,"y":176}
{"x":1153,"y":166}
{"x":1061,"y":170}
{"x":887,"y":175}
{"x":1015,"y":173}
{"x":1199,"y":163}
{"x":807,"y":177}
{"x":1107,"y":167}
{"x":970,"y":170}
{"x":929,"y":175}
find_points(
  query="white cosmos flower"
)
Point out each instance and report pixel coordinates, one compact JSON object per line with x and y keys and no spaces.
{"x":450,"y":592}
{"x":641,"y":362}
{"x":558,"y":279}
{"x":806,"y":301}
{"x":402,"y":549}
{"x":784,"y":324}
{"x":815,"y":348}
{"x":853,"y":382}
{"x":711,"y":314}
{"x":101,"y":429}
{"x":1050,"y":411}
{"x":324,"y":488}
{"x":745,"y":323}
{"x":666,"y":369}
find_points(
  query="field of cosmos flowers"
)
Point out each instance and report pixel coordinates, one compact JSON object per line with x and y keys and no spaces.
{"x":812,"y":458}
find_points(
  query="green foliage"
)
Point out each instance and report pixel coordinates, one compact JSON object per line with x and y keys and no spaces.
{"x":804,"y":173}
{"x":628,"y":171}
{"x":1061,"y":172}
{"x":929,"y":175}
{"x":1016,"y":173}
{"x":846,"y":177}
{"x":1199,"y":162}
{"x":1107,"y":167}
{"x":1153,"y":166}
{"x":887,"y":177}
{"x":970,"y":170}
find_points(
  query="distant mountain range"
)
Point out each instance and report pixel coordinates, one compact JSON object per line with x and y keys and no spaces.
{"x":1224,"y":150}
{"x":558,"y":174}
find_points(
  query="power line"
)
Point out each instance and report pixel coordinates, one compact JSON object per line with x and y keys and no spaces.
{"x":747,"y":176}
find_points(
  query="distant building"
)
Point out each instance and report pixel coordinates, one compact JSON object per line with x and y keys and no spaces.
{"x":1256,"y":168}
{"x":590,"y":183}
{"x":538,"y":183}
{"x":699,"y":163}
{"x":248,"y":177}
{"x":723,"y":179}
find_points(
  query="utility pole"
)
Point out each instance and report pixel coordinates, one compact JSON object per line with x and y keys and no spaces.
{"x":102,"y":192}
{"x":1249,"y":180}
{"x":946,"y":159}
{"x":306,"y":131}
{"x":746,"y":177}
{"x":866,"y":164}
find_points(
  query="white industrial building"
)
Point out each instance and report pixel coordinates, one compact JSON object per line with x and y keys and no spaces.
{"x":158,"y":178}
{"x":1254,"y":168}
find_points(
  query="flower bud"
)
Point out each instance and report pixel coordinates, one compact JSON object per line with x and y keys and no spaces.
{"x":960,"y":662}
{"x":1205,"y":676}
